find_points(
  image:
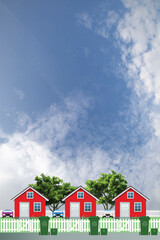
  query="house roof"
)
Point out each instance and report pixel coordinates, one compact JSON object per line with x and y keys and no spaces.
{"x":19,"y":194}
{"x":80,"y":187}
{"x":130,"y":187}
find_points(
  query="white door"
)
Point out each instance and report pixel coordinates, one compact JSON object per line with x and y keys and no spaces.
{"x":24,"y":209}
{"x":124,"y":209}
{"x":74,"y":209}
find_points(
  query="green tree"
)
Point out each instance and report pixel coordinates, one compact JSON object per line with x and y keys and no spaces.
{"x":52,"y":188}
{"x":107,"y":187}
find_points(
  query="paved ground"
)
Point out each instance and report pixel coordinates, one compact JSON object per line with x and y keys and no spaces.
{"x":75,"y":236}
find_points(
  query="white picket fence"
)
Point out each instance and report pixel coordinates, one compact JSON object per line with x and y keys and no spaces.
{"x":75,"y":225}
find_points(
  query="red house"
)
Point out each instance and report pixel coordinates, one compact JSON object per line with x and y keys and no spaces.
{"x":29,"y":203}
{"x":80,"y":203}
{"x":130,"y":203}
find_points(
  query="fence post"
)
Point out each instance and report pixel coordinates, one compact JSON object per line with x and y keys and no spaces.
{"x":19,"y":225}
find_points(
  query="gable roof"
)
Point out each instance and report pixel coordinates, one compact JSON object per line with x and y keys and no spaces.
{"x":130,"y":187}
{"x":19,"y":194}
{"x":80,"y":187}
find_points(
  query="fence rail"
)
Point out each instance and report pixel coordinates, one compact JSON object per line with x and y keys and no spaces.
{"x":75,"y":225}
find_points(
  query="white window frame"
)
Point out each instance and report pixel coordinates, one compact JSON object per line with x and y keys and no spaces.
{"x":29,"y":197}
{"x":34,"y":207}
{"x":91,"y":206}
{"x":134,"y":207}
{"x":80,"y":192}
{"x":130,"y":192}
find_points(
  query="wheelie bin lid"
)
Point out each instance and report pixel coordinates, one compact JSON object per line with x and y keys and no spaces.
{"x":94,"y":217}
{"x":144,"y":218}
{"x":43,"y":217}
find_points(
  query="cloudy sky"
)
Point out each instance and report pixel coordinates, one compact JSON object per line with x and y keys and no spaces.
{"x":79,"y":92}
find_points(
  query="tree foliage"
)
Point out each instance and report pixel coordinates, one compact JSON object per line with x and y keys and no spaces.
{"x":52,"y":188}
{"x":107,"y":187}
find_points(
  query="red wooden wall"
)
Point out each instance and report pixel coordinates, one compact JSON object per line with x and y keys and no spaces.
{"x":36,"y":198}
{"x":137,"y":198}
{"x":87,"y":198}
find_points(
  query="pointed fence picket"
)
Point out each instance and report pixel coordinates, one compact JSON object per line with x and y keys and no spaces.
{"x":74,"y":225}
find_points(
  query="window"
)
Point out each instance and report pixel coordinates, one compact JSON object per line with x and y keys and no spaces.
{"x":87,"y":207}
{"x":80,"y":194}
{"x":29,"y":194}
{"x":37,"y":207}
{"x":137,"y":207}
{"x":130,"y":194}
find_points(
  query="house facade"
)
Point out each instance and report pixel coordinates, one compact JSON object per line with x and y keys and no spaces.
{"x":29,"y":203}
{"x":80,"y":203}
{"x":130,"y":203}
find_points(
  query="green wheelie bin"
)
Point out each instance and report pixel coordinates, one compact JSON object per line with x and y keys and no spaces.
{"x":144,"y":225}
{"x":94,"y":225}
{"x":44,"y":225}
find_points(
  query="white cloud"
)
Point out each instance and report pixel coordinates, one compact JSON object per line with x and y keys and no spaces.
{"x":140,"y":29}
{"x":44,"y":147}
{"x":105,"y":24}
{"x":112,"y":18}
{"x":84,"y":19}
{"x":86,"y":52}
{"x":139,"y":35}
{"x":22,"y":120}
{"x":102,"y":31}
{"x":100,"y":26}
{"x":19,"y":93}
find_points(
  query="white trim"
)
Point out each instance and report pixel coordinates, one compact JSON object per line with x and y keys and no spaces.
{"x":130,"y":192}
{"x":130,"y":187}
{"x":91,"y":206}
{"x":27,"y":195}
{"x":80,"y":187}
{"x":78,"y":197}
{"x":141,"y":207}
{"x":34,"y":205}
{"x":26,"y":190}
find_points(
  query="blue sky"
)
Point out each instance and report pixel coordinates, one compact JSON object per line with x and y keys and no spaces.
{"x":79,"y":92}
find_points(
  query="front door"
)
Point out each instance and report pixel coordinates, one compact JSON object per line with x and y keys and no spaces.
{"x":75,"y":209}
{"x":24,"y":209}
{"x":124,"y":209}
